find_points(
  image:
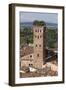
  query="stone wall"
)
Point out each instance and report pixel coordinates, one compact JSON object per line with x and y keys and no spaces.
{"x":26,"y":60}
{"x":38,"y":46}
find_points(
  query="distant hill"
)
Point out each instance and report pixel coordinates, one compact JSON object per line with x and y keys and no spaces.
{"x":29,"y":24}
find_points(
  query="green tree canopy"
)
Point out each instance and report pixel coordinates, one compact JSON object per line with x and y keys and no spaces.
{"x":39,"y":23}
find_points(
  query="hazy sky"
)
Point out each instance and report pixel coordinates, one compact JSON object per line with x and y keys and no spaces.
{"x":31,"y":16}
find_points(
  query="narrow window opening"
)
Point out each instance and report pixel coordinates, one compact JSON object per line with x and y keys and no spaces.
{"x":38,"y":37}
{"x":37,"y":55}
{"x":36,"y":45}
{"x":39,"y":45}
{"x":30,"y":55}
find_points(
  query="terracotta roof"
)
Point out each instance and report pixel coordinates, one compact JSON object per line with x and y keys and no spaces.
{"x":26,"y":50}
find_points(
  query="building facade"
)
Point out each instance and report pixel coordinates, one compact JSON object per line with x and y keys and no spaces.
{"x":26,"y":56}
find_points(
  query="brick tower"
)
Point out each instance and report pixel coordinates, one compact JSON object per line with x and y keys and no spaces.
{"x":39,"y":44}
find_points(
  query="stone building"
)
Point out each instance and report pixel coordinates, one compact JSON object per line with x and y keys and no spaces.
{"x":26,"y":56}
{"x":39,"y":43}
{"x":35,"y":55}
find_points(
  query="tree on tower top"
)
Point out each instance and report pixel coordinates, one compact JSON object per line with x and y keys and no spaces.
{"x":39,"y":23}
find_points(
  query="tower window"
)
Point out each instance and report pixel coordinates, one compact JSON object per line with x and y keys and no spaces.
{"x":38,"y":37}
{"x":37,"y":55}
{"x":40,"y":30}
{"x":30,"y":55}
{"x":36,"y":45}
{"x":30,"y":64}
{"x":39,"y":45}
{"x":35,"y":30}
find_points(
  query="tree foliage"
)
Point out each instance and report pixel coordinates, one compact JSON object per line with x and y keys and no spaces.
{"x":51,"y":38}
{"x":26,"y":35}
{"x":39,"y":23}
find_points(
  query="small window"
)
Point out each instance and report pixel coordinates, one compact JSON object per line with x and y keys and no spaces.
{"x":39,"y":45}
{"x":38,"y":37}
{"x":30,"y":64}
{"x":36,"y":45}
{"x":37,"y":55}
{"x":30,"y":55}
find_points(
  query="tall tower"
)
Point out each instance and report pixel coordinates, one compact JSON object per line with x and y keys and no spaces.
{"x":39,"y":44}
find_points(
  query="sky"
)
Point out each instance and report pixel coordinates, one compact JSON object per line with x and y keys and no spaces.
{"x":31,"y":16}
